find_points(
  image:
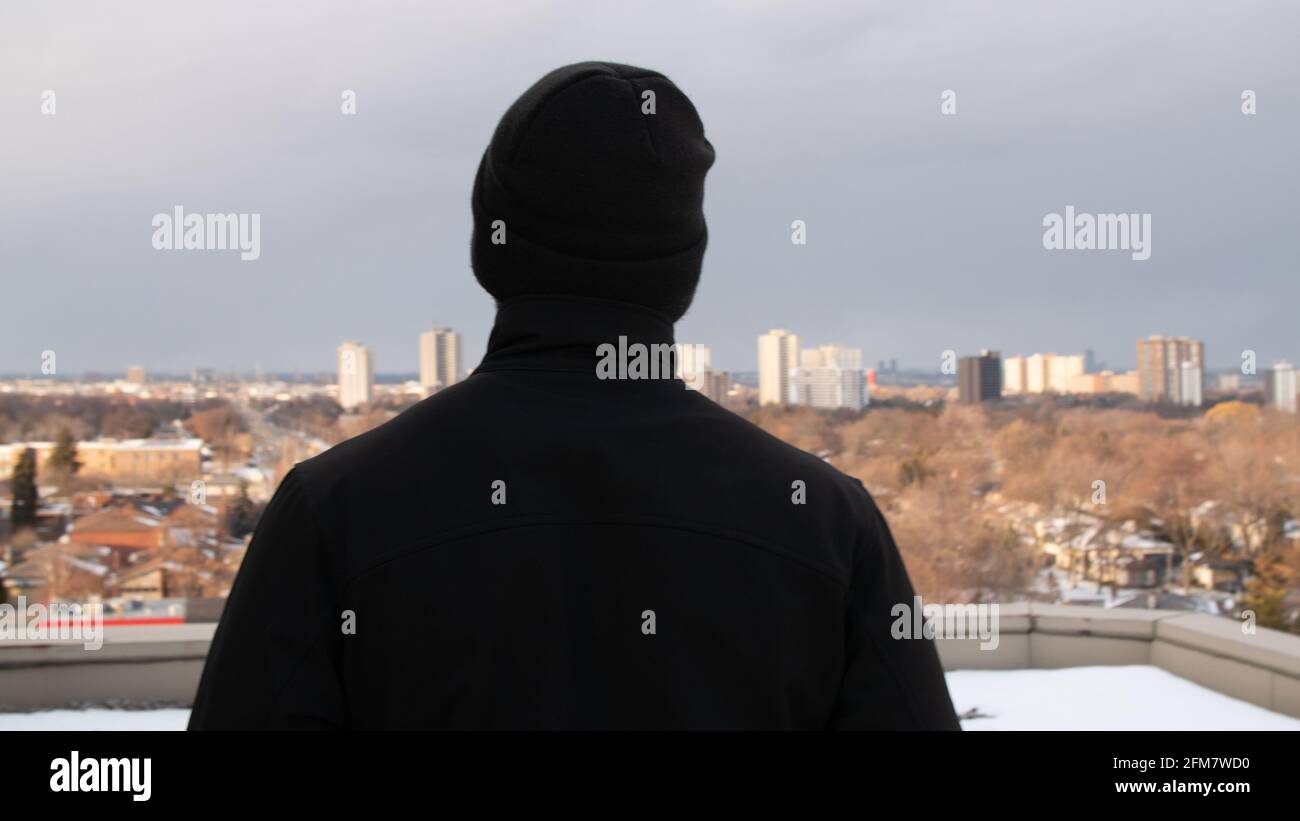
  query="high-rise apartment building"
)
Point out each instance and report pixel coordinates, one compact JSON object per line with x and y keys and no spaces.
{"x":829,"y":376}
{"x":1042,"y":373}
{"x":1015,"y":374}
{"x":778,"y":356}
{"x":979,"y":378}
{"x":829,"y":387}
{"x":1191,"y":383}
{"x":716,"y":385}
{"x":356,"y":375}
{"x":1171,"y":369}
{"x":439,"y":359}
{"x":1280,"y":386}
{"x":1061,"y":370}
{"x":1036,"y":373}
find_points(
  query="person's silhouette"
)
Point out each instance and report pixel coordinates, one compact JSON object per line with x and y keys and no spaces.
{"x":546,"y":546}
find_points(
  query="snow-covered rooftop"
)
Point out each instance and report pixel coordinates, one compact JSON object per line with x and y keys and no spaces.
{"x":1133,"y":697}
{"x":1136,"y":697}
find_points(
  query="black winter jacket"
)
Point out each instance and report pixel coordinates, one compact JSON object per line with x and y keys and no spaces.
{"x":537,"y":547}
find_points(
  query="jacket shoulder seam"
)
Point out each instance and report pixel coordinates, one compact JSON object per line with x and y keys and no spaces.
{"x":561,"y":520}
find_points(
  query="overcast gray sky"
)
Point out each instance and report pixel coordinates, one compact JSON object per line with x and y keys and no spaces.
{"x":924,"y":231}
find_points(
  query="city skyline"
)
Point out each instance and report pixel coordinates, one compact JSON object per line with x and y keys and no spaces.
{"x":432,"y":340}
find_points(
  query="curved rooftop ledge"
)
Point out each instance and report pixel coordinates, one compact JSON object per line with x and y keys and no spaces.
{"x":156,"y":665}
{"x":1262,"y":668}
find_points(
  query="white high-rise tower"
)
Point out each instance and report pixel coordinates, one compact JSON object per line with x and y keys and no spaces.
{"x":439,"y":359}
{"x":356,"y":375}
{"x":778,"y":355}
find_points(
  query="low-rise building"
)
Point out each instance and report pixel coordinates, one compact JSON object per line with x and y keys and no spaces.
{"x":120,"y":460}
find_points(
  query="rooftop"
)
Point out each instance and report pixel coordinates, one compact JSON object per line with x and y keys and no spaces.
{"x":1053,"y":667}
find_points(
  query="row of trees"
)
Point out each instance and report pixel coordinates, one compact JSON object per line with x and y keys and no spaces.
{"x":322,"y":418}
{"x":224,"y":430}
{"x":28,"y":418}
{"x":939,"y":473}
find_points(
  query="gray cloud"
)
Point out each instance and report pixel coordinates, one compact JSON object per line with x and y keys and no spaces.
{"x":924,"y":231}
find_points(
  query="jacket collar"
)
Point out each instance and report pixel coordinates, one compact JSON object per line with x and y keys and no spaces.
{"x":562,"y":333}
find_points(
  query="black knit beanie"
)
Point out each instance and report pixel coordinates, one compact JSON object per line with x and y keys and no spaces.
{"x":598,"y":188}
